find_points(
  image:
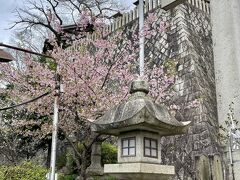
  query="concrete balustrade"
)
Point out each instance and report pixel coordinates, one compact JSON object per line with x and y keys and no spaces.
{"x":150,"y":5}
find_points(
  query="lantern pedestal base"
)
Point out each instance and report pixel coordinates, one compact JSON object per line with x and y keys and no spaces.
{"x":140,"y":171}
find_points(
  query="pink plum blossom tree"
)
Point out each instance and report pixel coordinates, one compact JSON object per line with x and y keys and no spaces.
{"x":95,"y":73}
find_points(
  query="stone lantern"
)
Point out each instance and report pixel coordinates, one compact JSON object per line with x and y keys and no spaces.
{"x":139,"y":124}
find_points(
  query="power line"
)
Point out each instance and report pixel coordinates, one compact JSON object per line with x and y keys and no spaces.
{"x":26,"y":102}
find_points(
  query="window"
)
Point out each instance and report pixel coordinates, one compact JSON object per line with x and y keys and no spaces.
{"x":150,"y":147}
{"x":129,"y":146}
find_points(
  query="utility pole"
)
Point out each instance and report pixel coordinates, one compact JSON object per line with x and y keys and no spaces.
{"x":141,"y":38}
{"x":55,"y":127}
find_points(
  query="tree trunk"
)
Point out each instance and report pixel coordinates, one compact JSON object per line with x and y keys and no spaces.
{"x":84,"y":165}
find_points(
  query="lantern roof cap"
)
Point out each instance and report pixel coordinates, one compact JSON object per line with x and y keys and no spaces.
{"x":139,"y":112}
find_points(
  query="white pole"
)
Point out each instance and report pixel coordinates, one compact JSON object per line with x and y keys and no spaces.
{"x":54,"y":139}
{"x":55,"y":128}
{"x":141,"y":38}
{"x":230,"y":145}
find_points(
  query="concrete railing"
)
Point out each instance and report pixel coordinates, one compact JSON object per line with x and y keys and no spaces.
{"x":127,"y":17}
{"x":131,"y":16}
{"x":204,"y":5}
{"x":149,"y":5}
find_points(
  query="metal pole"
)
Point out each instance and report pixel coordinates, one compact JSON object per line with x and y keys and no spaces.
{"x":230,"y":155}
{"x":55,"y":127}
{"x":54,"y":138}
{"x":141,"y":38}
{"x":230,"y":146}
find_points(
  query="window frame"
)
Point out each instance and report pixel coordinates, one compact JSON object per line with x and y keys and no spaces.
{"x":128,"y":147}
{"x":150,"y":147}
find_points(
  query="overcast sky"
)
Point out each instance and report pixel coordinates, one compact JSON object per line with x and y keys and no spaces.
{"x":7,"y":16}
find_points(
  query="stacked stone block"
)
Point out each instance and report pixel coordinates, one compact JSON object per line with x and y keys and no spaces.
{"x":188,"y":42}
{"x":196,"y":81}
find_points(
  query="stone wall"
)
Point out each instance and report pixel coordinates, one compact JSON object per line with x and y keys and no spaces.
{"x":188,"y":42}
{"x":196,"y":81}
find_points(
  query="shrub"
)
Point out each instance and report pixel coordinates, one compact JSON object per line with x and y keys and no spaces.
{"x":67,"y":177}
{"x":109,"y":153}
{"x":61,"y":161}
{"x":3,"y":169}
{"x":24,"y":171}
